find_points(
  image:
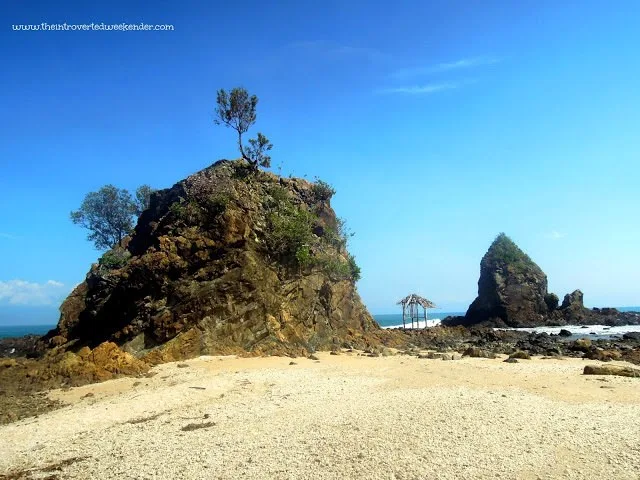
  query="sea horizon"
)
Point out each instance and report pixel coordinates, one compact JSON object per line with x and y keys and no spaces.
{"x":385,"y":320}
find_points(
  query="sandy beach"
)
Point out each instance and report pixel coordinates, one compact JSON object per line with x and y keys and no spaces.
{"x":344,"y":416}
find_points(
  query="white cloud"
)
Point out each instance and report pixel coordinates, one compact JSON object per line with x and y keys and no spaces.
{"x":555,"y":235}
{"x":336,"y":51}
{"x":8,"y":236}
{"x":21,"y":292}
{"x":422,"y":89}
{"x":446,"y":67}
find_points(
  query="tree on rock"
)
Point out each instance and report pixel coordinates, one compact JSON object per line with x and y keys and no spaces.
{"x":237,"y":109}
{"x":109,"y":214}
{"x":143,"y":196}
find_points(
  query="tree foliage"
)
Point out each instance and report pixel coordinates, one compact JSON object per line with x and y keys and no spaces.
{"x":109,"y":214}
{"x":143,"y":196}
{"x":237,"y":110}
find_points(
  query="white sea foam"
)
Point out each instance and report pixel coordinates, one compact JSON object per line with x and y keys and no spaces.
{"x":581,"y":330}
{"x":431,"y":322}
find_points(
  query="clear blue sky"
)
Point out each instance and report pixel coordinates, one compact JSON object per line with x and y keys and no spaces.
{"x":440,"y":124}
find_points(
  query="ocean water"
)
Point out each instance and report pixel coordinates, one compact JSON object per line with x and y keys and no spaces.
{"x":22,"y":330}
{"x":394,"y":320}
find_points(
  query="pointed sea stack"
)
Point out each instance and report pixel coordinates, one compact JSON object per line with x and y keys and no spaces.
{"x":512,"y":289}
{"x":228,"y":260}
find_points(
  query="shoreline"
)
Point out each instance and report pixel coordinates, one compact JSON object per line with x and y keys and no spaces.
{"x":344,"y":416}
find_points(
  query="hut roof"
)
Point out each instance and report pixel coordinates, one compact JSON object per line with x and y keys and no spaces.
{"x":415,"y":298}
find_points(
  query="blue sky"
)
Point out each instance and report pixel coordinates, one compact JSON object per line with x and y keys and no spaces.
{"x":440,"y":124}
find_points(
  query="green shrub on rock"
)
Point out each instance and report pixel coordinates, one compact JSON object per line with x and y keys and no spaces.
{"x":322,"y":191}
{"x":114,"y":259}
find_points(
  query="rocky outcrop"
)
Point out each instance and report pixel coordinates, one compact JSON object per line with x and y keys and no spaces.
{"x":225,"y":261}
{"x":512,"y":292}
{"x":511,"y":289}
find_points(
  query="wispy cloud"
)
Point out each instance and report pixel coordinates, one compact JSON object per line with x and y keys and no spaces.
{"x":8,"y":236}
{"x":21,"y":292}
{"x":555,"y":235}
{"x":336,"y":51}
{"x":464,"y":63}
{"x":421,"y":89}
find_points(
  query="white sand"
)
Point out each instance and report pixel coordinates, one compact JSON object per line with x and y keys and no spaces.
{"x":346,"y":416}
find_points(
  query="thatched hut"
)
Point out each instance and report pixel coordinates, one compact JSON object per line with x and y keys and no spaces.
{"x":411,"y":309}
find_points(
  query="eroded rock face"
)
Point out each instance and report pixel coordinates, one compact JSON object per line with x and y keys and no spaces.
{"x":511,"y":288}
{"x":206,"y":272}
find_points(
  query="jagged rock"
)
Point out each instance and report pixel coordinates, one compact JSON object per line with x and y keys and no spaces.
{"x":581,"y":345}
{"x":565,"y":333}
{"x":208,"y":271}
{"x":573,"y":300}
{"x":595,"y":353}
{"x":572,"y":308}
{"x":511,"y":288}
{"x":631,"y":336}
{"x":552,"y":301}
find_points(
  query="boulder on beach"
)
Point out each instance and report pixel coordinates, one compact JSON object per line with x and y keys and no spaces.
{"x":611,"y":370}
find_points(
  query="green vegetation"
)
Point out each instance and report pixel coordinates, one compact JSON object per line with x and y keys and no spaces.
{"x":339,"y":236}
{"x":292,"y":239}
{"x":187,"y":211}
{"x":237,"y":110}
{"x":109,"y":214}
{"x":114,"y":259}
{"x":322,"y":191}
{"x":217,"y":203}
{"x":504,"y":250}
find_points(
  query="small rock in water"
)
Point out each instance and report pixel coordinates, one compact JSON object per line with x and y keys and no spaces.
{"x":564,"y":333}
{"x":292,"y":363}
{"x":313,"y":357}
{"x":511,"y":360}
{"x":182,"y":365}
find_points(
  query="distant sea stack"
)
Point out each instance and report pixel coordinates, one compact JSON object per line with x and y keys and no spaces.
{"x":228,"y":260}
{"x":512,"y":292}
{"x":511,"y":288}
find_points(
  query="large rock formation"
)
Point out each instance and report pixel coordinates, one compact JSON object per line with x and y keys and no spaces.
{"x":511,"y":288}
{"x":512,"y":292}
{"x":225,"y":261}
